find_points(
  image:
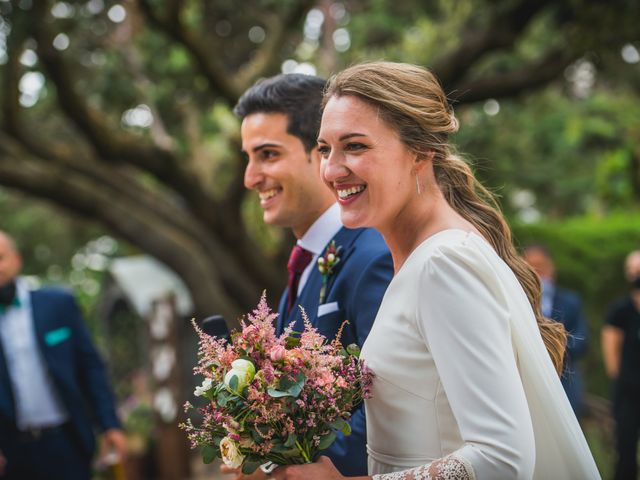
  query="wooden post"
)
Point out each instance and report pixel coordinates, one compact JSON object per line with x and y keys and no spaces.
{"x":171,"y":445}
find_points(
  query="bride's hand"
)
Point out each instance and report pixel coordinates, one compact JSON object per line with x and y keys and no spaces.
{"x":322,"y":469}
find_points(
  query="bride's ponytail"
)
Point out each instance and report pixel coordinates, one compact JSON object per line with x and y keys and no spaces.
{"x":478,"y":206}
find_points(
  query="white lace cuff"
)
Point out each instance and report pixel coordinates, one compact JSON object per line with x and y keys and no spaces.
{"x":451,"y":467}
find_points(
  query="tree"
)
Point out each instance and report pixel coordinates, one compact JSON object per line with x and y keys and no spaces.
{"x":165,"y":175}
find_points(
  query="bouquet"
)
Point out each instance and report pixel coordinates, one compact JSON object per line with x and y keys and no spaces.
{"x":278,"y":399}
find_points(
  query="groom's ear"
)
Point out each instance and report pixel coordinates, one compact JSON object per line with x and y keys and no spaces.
{"x":314,"y":155}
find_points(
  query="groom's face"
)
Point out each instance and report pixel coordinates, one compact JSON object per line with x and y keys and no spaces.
{"x":284,"y":175}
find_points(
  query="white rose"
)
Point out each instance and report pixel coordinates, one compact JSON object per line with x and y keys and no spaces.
{"x":207,"y":383}
{"x":244,"y":371}
{"x":244,"y":365}
{"x":231,"y":455}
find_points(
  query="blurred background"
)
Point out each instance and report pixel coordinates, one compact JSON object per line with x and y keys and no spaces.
{"x":120,"y":172}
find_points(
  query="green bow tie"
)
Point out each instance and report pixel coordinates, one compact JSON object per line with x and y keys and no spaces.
{"x":14,"y":303}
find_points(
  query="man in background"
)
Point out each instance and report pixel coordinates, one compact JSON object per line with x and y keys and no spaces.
{"x":621,"y":352}
{"x":280,"y":124}
{"x":563,"y":306}
{"x":52,"y":382}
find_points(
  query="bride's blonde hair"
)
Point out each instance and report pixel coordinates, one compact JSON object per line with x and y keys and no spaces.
{"x":412,"y":102}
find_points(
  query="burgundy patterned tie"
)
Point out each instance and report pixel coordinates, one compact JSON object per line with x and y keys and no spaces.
{"x":298,"y":261}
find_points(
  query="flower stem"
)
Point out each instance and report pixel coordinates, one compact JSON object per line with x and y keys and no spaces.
{"x":323,"y":289}
{"x":305,"y":455}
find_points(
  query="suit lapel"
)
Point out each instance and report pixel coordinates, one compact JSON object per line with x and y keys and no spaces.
{"x":38,"y":313}
{"x":345,"y":238}
{"x":310,"y":295}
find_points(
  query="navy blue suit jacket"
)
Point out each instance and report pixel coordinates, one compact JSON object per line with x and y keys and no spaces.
{"x":354,"y":293}
{"x":567,"y":309}
{"x":74,"y":365}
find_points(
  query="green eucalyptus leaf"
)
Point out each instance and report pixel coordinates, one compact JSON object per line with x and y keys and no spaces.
{"x":256,"y":437}
{"x":233,"y":383}
{"x":291,"y":342}
{"x":341,"y":426}
{"x":209,"y":453}
{"x":353,"y":349}
{"x":277,"y":393}
{"x":285,"y":451}
{"x":293,"y":385}
{"x":291,"y":440}
{"x":250,"y":465}
{"x":327,"y":440}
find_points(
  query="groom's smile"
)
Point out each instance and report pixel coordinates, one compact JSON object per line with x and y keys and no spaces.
{"x":283,"y":173}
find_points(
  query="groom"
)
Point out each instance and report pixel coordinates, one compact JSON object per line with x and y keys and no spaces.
{"x":280,"y":123}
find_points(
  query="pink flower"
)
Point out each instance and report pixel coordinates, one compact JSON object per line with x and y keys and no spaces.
{"x":325,"y":378}
{"x":277,"y":353}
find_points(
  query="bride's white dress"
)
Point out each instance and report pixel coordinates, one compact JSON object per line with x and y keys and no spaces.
{"x":464,"y":387}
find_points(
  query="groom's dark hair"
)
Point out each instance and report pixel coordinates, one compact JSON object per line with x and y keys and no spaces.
{"x":297,"y":96}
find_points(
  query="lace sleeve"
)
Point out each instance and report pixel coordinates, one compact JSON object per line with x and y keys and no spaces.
{"x":451,"y":467}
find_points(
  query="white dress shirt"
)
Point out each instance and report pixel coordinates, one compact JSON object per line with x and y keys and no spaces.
{"x":316,"y":238}
{"x":36,"y":400}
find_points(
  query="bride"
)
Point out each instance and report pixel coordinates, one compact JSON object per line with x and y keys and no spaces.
{"x":466,"y":366}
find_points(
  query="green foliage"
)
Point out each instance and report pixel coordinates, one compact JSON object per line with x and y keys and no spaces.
{"x":341,"y":426}
{"x":289,"y":387}
{"x":327,"y":440}
{"x":575,"y":156}
{"x":601,"y":447}
{"x":251,"y":465}
{"x":589,"y":253}
{"x":138,"y":422}
{"x":268,"y":237}
{"x":209,"y":453}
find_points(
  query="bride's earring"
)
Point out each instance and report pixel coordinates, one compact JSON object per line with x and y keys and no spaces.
{"x":418,"y":185}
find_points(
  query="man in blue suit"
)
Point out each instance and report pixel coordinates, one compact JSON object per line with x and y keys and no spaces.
{"x":563,"y":306}
{"x":53,"y":385}
{"x":280,"y":122}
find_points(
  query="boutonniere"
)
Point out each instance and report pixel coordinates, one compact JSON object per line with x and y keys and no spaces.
{"x":326,"y":265}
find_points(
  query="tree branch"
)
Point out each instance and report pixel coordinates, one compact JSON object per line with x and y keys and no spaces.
{"x":266,"y":58}
{"x":91,"y":198}
{"x":201,"y":51}
{"x":143,"y":85}
{"x":10,"y":93}
{"x":77,"y":161}
{"x":532,"y":75}
{"x":113,"y":146}
{"x":502,"y":30}
{"x":198,"y":221}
